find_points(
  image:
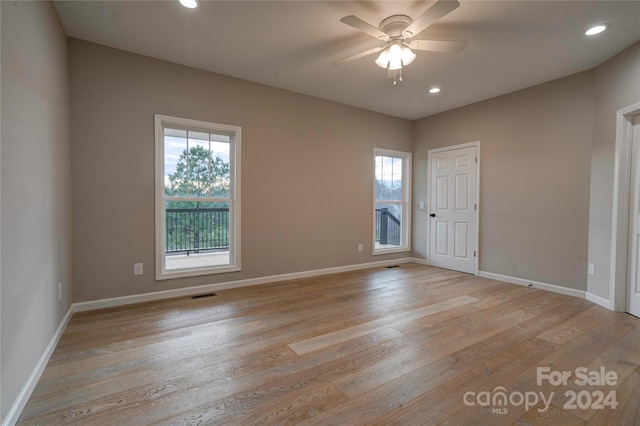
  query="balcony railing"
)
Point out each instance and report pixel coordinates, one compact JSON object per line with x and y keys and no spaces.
{"x":204,"y":230}
{"x":197,"y":230}
{"x":388,"y":229}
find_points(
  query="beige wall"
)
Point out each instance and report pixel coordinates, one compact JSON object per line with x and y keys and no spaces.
{"x":306,"y":170}
{"x":36,"y":191}
{"x":534,"y":180}
{"x":617,"y":85}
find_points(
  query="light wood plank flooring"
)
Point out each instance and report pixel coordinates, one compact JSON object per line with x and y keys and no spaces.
{"x":400,"y":346}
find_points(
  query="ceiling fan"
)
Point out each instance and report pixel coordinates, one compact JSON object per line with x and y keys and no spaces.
{"x":396,"y":32}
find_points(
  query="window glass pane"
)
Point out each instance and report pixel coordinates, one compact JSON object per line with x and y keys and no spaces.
{"x":388,"y":178}
{"x":199,"y":170}
{"x":197,"y":234}
{"x":215,"y":137}
{"x":378,"y":176}
{"x":198,"y":137}
{"x":197,"y":164}
{"x":388,"y":225}
{"x":396,"y":180}
{"x":175,"y":165}
{"x":219,"y":154}
{"x":175,"y":132}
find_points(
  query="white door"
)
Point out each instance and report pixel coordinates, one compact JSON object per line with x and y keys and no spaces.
{"x":633,"y":286}
{"x":453,"y":208}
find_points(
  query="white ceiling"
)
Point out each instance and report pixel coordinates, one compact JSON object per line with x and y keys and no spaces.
{"x":290,"y":44}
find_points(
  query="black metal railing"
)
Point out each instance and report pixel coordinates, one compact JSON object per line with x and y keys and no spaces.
{"x":197,"y":230}
{"x":388,"y":229}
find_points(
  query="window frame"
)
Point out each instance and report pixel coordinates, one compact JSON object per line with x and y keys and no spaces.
{"x":405,"y":203}
{"x":235,"y":132}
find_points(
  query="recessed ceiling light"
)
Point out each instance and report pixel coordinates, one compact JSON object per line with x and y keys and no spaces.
{"x":191,"y":4}
{"x":595,"y":30}
{"x":434,"y":90}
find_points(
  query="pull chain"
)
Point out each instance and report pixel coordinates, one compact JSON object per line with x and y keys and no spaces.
{"x":397,"y":76}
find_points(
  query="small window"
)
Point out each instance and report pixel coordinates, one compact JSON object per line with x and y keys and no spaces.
{"x":392,"y":201}
{"x":197,"y":198}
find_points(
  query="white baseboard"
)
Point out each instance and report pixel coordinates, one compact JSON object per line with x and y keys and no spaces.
{"x":606,"y":303}
{"x":16,"y":409}
{"x":190,"y":291}
{"x":543,"y":286}
{"x":424,"y":262}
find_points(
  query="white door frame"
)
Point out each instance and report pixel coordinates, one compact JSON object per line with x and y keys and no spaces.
{"x":449,"y":148}
{"x":620,"y":217}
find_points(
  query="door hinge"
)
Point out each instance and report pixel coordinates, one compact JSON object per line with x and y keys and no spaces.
{"x":475,"y":207}
{"x":474,"y":253}
{"x":476,"y":160}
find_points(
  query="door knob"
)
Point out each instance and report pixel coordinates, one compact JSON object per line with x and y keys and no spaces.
{"x":432,"y":215}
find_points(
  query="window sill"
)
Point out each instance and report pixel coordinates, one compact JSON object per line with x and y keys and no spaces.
{"x":391,"y":250}
{"x":185,"y":273}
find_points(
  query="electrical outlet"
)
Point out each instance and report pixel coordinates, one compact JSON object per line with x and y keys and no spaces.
{"x":421,"y":205}
{"x":591,"y":269}
{"x":59,"y":291}
{"x":138,"y":269}
{"x":360,"y":247}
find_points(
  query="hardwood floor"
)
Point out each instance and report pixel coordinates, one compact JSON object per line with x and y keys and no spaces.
{"x":401,"y":346}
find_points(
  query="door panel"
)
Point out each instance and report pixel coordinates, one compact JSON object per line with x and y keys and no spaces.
{"x":441,"y":238}
{"x":462,"y":192}
{"x":463,"y":161}
{"x":443,"y":193}
{"x":461,"y":246}
{"x":453,"y":229}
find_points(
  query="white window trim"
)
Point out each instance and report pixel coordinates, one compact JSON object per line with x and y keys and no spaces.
{"x":406,"y":201}
{"x":162,"y":121}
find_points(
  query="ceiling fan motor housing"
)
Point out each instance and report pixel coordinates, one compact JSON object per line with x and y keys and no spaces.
{"x":395,"y":25}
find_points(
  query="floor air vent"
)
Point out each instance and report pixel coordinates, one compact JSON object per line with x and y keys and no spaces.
{"x":393,"y":266}
{"x":201,"y":296}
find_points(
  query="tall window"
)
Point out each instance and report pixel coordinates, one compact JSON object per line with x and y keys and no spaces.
{"x":392,"y":205}
{"x":197,"y":197}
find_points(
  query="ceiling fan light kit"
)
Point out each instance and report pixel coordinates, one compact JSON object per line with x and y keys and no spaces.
{"x":407,"y":56}
{"x":396,"y":31}
{"x":383,"y":59}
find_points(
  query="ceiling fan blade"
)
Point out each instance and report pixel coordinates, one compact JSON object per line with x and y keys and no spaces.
{"x":358,"y":55}
{"x":361,"y":25}
{"x":444,"y":46}
{"x":439,"y":9}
